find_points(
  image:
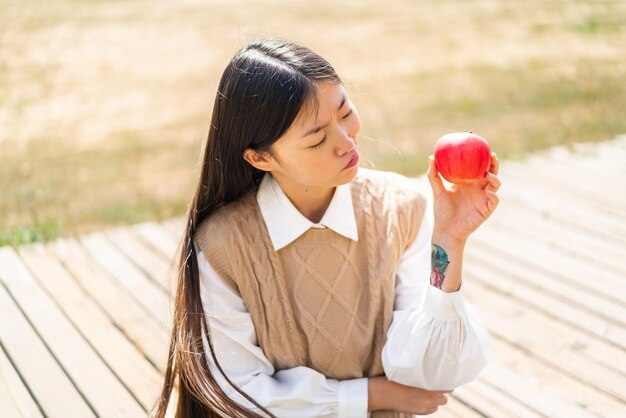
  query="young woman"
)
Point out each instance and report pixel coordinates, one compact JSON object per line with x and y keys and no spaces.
{"x":304,"y":287}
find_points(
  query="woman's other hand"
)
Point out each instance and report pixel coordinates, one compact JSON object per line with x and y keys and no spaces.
{"x":460,"y":210}
{"x":384,"y":394}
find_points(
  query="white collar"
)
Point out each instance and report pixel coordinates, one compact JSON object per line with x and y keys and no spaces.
{"x":285,"y":223}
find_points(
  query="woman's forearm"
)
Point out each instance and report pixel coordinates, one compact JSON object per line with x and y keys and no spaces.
{"x":384,"y":394}
{"x":446,"y":261}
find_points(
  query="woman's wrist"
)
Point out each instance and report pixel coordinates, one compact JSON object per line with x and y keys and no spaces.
{"x":375,"y":393}
{"x":442,"y":238}
{"x":446,"y":261}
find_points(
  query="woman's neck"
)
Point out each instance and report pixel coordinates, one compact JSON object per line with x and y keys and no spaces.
{"x":311,"y":203}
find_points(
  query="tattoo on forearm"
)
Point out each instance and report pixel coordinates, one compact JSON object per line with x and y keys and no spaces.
{"x":439,"y":263}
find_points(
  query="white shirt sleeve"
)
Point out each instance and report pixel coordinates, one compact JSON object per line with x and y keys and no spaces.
{"x":300,"y":392}
{"x":436,"y":340}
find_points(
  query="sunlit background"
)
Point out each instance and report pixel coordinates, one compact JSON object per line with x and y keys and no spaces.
{"x":104,"y":105}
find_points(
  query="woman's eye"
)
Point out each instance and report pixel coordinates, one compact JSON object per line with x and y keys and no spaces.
{"x":320,"y":143}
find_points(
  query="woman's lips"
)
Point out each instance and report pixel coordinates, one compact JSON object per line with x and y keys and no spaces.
{"x":353,"y":160}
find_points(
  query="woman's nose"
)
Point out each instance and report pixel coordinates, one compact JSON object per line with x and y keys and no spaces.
{"x":347,"y":142}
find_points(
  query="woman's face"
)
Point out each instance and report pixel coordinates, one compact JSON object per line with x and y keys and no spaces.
{"x":313,"y":153}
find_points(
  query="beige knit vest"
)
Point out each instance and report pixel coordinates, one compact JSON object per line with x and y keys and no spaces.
{"x":324,"y":301}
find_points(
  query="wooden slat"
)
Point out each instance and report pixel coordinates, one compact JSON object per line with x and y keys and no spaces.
{"x":544,"y":267}
{"x":521,"y":389}
{"x":572,"y":182}
{"x":99,"y":386}
{"x":532,"y":396}
{"x":567,"y":350}
{"x":548,"y":269}
{"x":602,"y":171}
{"x":151,"y":262}
{"x":493,"y":403}
{"x":462,"y":409}
{"x":176,"y":226}
{"x":171,"y":406}
{"x":140,"y":327}
{"x":559,"y":234}
{"x":521,"y":396}
{"x":122,"y":357}
{"x":442,"y":413}
{"x":456,"y":407}
{"x":606,"y":159}
{"x":510,"y":285}
{"x":551,"y":381}
{"x":56,"y":394}
{"x":606,"y":203}
{"x":540,"y":201}
{"x":575,"y":174}
{"x":569,"y":241}
{"x":612,"y":151}
{"x":15,"y":400}
{"x":158,"y":237}
{"x":128,"y":276}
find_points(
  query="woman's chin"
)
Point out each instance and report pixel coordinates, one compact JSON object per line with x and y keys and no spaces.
{"x":350,"y":173}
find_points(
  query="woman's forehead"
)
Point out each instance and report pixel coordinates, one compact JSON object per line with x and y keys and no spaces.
{"x":328,"y":98}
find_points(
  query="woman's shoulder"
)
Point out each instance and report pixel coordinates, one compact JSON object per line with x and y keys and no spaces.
{"x":393,"y":199}
{"x":224,"y":216}
{"x":388,"y":184}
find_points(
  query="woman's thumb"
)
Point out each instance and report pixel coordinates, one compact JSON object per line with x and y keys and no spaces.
{"x":433,"y":177}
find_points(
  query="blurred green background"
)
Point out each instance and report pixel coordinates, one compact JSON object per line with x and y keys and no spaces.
{"x":104,"y":105}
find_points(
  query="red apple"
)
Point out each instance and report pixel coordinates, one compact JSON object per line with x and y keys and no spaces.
{"x":462,"y":157}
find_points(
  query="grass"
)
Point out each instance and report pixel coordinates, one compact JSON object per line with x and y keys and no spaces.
{"x":593,"y":25}
{"x":105,"y":105}
{"x":518,"y":110}
{"x":36,"y":233}
{"x":59,"y":190}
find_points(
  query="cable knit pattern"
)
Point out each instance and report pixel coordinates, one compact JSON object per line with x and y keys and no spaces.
{"x":324,"y":301}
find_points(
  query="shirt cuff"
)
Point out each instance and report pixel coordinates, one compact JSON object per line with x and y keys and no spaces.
{"x":353,"y":398}
{"x":444,"y":305}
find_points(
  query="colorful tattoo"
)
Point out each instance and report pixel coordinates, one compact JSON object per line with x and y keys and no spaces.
{"x":439,"y":263}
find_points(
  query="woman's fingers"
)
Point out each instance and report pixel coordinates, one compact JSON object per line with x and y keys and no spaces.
{"x":494,"y":164}
{"x":493,"y":182}
{"x":442,"y":399}
{"x":493,"y":200}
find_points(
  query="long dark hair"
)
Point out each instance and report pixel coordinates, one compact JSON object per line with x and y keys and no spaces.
{"x":262,"y":90}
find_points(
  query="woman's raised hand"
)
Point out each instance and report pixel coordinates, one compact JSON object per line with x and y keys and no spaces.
{"x":460,"y":210}
{"x":384,"y":394}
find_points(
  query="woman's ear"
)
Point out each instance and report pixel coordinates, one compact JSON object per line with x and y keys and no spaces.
{"x":261,"y":160}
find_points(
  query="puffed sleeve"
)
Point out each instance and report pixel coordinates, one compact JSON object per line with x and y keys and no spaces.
{"x":299,"y":392}
{"x":436,"y":340}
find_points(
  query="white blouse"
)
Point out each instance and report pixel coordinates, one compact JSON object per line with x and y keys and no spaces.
{"x":436,"y":340}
